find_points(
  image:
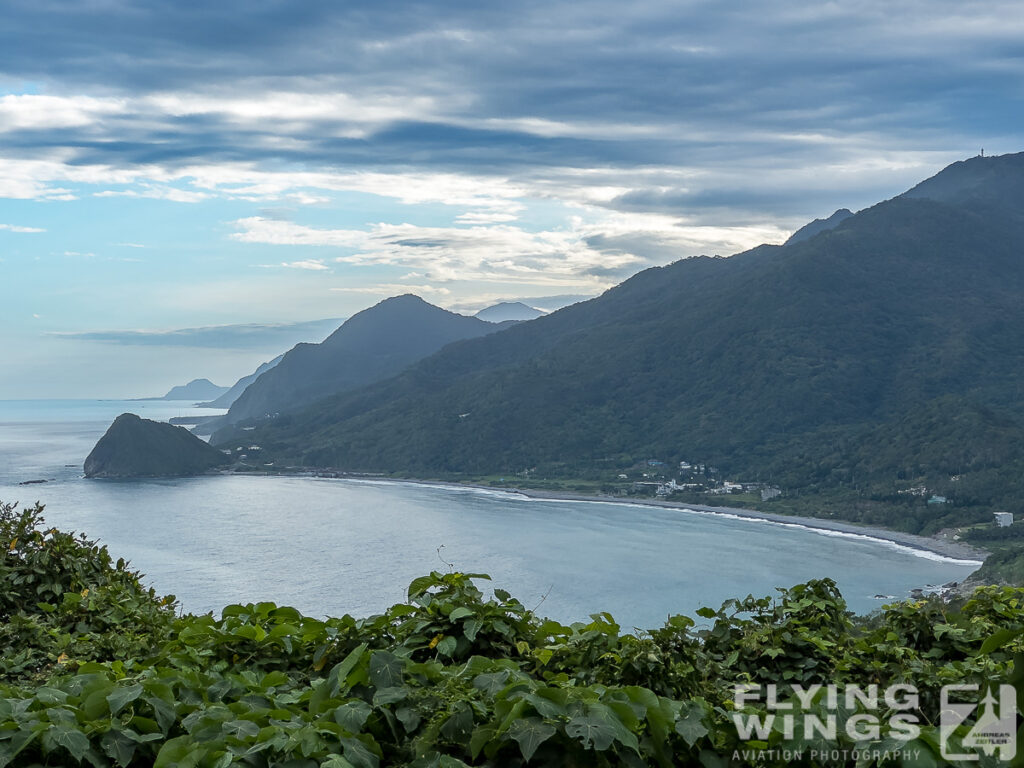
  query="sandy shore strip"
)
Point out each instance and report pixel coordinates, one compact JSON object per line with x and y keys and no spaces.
{"x":955,"y":550}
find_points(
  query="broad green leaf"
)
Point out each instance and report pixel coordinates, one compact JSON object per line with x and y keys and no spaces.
{"x":594,"y":732}
{"x":95,"y":705}
{"x":421,"y":585}
{"x":385,"y":696}
{"x":481,"y":737}
{"x":461,"y":612}
{"x":471,"y":627}
{"x":174,"y":752}
{"x":530,"y":733}
{"x":118,"y":747}
{"x":446,"y":647}
{"x":75,"y":742}
{"x":459,"y":725}
{"x":408,"y":717}
{"x":340,"y":671}
{"x":119,"y":698}
{"x":50,"y":696}
{"x":241,"y":729}
{"x":386,"y":670}
{"x":491,"y":682}
{"x":691,"y":722}
{"x":352,"y":715}
{"x":357,"y":753}
{"x":1000,"y":638}
{"x":164,"y":712}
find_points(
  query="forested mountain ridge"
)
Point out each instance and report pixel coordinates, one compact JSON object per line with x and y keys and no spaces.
{"x":374,"y":344}
{"x":228,"y":398}
{"x":865,"y":359}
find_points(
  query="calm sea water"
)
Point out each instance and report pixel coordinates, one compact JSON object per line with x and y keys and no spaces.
{"x":330,"y":547}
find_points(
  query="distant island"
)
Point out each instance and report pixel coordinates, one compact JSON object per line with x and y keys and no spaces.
{"x":196,"y":390}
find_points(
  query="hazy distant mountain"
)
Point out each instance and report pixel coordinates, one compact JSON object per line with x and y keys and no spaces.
{"x":808,"y":231}
{"x":135,"y":447}
{"x":372,"y":345}
{"x":551,"y":303}
{"x":229,"y":397}
{"x":197,"y":389}
{"x":877,"y":355}
{"x":508,"y":310}
{"x":267,"y":336}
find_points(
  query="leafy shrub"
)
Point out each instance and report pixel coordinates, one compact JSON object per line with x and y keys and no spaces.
{"x":64,"y":598}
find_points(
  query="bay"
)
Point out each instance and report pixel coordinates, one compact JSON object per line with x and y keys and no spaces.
{"x":339,"y":546}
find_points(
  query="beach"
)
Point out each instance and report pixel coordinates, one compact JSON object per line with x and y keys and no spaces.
{"x":954,"y":550}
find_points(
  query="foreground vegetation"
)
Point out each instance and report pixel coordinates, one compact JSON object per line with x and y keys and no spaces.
{"x":97,"y":669}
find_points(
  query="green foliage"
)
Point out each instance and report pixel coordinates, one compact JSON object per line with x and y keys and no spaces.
{"x":452,"y":677}
{"x":63,"y":597}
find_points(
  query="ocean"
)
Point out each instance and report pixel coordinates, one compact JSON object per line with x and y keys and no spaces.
{"x":334,"y":546}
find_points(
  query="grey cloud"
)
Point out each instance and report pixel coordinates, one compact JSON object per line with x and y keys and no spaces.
{"x":697,"y":85}
{"x":649,"y":248}
{"x":270,"y":337}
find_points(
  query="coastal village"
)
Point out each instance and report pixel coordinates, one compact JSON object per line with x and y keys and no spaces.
{"x":693,"y":477}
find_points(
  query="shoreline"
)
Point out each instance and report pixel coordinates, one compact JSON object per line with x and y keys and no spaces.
{"x":953,"y":550}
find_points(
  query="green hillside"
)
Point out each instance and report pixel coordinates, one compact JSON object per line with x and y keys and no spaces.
{"x":876,"y":357}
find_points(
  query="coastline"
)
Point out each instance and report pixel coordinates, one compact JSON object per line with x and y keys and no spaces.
{"x":954,"y":550}
{"x":945,"y":548}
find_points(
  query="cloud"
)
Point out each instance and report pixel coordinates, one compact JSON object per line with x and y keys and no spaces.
{"x":520,"y":94}
{"x":588,"y":253}
{"x":23,"y":230}
{"x":396,"y":289}
{"x":443,"y":254}
{"x":566,"y":148}
{"x":253,"y":336}
{"x":311,"y":264}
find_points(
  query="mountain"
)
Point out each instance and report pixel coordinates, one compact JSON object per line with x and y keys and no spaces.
{"x":508,"y":310}
{"x":197,"y":389}
{"x":135,"y":447}
{"x":229,"y":397}
{"x":807,"y":231}
{"x":874,"y":358}
{"x":370,"y":346}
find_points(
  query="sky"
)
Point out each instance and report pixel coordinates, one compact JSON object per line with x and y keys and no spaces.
{"x":187,"y":189}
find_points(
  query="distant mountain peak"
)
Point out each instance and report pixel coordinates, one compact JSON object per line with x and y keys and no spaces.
{"x":370,"y":346}
{"x":807,"y":231}
{"x":404,"y":298}
{"x":508,"y":310}
{"x":996,"y":180}
{"x":197,"y":389}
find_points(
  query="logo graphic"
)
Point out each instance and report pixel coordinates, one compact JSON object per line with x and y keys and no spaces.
{"x":995,"y":728}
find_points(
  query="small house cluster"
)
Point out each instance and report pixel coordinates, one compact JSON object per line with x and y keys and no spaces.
{"x":693,"y":477}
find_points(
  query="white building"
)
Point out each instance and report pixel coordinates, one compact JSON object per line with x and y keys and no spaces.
{"x":1004,"y":519}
